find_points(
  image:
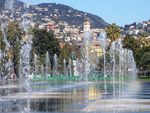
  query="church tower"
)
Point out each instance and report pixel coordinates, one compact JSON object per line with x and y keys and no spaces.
{"x":86,"y":25}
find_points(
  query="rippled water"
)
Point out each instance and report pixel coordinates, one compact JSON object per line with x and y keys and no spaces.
{"x":76,"y":97}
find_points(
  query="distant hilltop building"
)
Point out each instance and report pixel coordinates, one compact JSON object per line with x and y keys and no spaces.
{"x":94,"y":48}
{"x":87,"y":25}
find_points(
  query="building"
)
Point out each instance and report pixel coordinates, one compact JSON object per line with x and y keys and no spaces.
{"x":86,"y":25}
{"x":94,"y":49}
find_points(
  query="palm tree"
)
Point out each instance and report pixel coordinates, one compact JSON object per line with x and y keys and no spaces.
{"x":113,"y":32}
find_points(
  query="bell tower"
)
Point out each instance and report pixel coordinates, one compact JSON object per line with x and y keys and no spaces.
{"x":86,"y":25}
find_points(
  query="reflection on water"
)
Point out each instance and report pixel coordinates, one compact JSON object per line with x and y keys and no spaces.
{"x":93,"y":93}
{"x":72,"y":99}
{"x":60,"y":96}
{"x":77,"y":97}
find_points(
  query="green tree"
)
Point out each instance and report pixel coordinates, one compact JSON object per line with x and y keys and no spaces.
{"x":143,"y":42}
{"x":43,"y":42}
{"x":133,"y":44}
{"x":65,"y":53}
{"x":113,"y":32}
{"x":139,"y":54}
{"x":2,"y":48}
{"x":145,"y":61}
{"x":2,"y":44}
{"x":69,"y":52}
{"x":101,"y":61}
{"x":142,"y":39}
{"x":143,"y":34}
{"x":129,"y":42}
{"x":14,"y":35}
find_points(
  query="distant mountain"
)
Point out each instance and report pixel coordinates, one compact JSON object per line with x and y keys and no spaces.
{"x":2,"y":4}
{"x":17,"y":4}
{"x":57,"y":13}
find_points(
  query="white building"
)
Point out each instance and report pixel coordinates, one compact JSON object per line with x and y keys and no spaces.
{"x":87,"y":25}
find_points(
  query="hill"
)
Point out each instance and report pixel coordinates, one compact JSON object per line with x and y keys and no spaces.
{"x":54,"y":12}
{"x":59,"y":12}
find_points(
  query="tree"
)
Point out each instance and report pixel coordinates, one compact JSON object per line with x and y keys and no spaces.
{"x":43,"y":42}
{"x":14,"y":35}
{"x":143,"y":42}
{"x":145,"y":61}
{"x":101,"y":61}
{"x":143,"y":34}
{"x":142,"y":39}
{"x":2,"y":48}
{"x":113,"y":32}
{"x":129,"y":42}
{"x":139,"y":52}
{"x":65,"y":53}
{"x":133,"y":44}
{"x":2,"y":44}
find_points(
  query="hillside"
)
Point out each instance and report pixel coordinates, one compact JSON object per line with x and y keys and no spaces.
{"x":55,"y":12}
{"x":59,"y":12}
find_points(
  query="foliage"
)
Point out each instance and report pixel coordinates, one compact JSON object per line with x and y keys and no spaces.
{"x":143,"y":42}
{"x":101,"y":61}
{"x":143,"y":34}
{"x":113,"y":32}
{"x":14,"y":35}
{"x":130,"y":42}
{"x":146,"y":61}
{"x":139,"y":47}
{"x":138,"y":53}
{"x":44,"y":42}
{"x":2,"y":47}
{"x":67,"y":51}
{"x":2,"y":44}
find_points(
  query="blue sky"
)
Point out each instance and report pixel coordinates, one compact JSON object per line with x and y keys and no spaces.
{"x":112,"y":11}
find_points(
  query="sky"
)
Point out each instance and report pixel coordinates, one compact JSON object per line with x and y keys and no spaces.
{"x":120,"y":12}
